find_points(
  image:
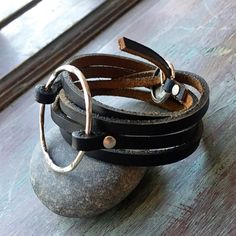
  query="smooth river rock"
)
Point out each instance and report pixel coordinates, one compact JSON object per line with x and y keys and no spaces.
{"x":92,"y":188}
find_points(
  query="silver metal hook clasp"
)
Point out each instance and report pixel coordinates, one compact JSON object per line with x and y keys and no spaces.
{"x":159,"y":94}
{"x":88,"y":124}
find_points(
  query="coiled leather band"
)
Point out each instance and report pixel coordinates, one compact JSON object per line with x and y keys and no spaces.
{"x":141,"y":139}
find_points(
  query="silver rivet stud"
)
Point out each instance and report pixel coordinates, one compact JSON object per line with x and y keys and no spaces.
{"x":175,"y":89}
{"x":109,"y":142}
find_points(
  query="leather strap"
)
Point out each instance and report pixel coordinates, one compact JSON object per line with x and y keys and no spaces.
{"x":123,"y":141}
{"x":129,"y":157}
{"x":142,"y":139}
{"x":71,"y":102}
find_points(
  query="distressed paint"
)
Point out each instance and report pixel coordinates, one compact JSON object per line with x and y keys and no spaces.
{"x":196,"y":196}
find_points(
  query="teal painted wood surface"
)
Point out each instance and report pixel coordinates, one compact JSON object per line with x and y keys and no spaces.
{"x":196,"y":196}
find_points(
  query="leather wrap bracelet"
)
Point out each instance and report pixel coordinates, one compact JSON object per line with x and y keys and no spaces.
{"x":119,"y":136}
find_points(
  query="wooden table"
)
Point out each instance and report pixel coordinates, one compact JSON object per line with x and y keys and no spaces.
{"x":196,"y":196}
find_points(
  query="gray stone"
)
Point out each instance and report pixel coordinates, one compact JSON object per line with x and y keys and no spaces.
{"x":92,"y":188}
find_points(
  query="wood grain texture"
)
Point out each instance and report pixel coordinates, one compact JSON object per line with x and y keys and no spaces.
{"x":38,"y":27}
{"x":34,"y":44}
{"x":196,"y":196}
{"x":10,"y":11}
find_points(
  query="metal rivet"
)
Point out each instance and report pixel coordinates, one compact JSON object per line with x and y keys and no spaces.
{"x":109,"y":142}
{"x":175,"y":89}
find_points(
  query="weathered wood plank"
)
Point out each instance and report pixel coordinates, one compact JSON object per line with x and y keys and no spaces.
{"x":14,"y":10}
{"x":193,"y":197}
{"x":38,"y":27}
{"x":32,"y":50}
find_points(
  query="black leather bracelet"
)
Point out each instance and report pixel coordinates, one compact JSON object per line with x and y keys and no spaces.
{"x":125,"y":137}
